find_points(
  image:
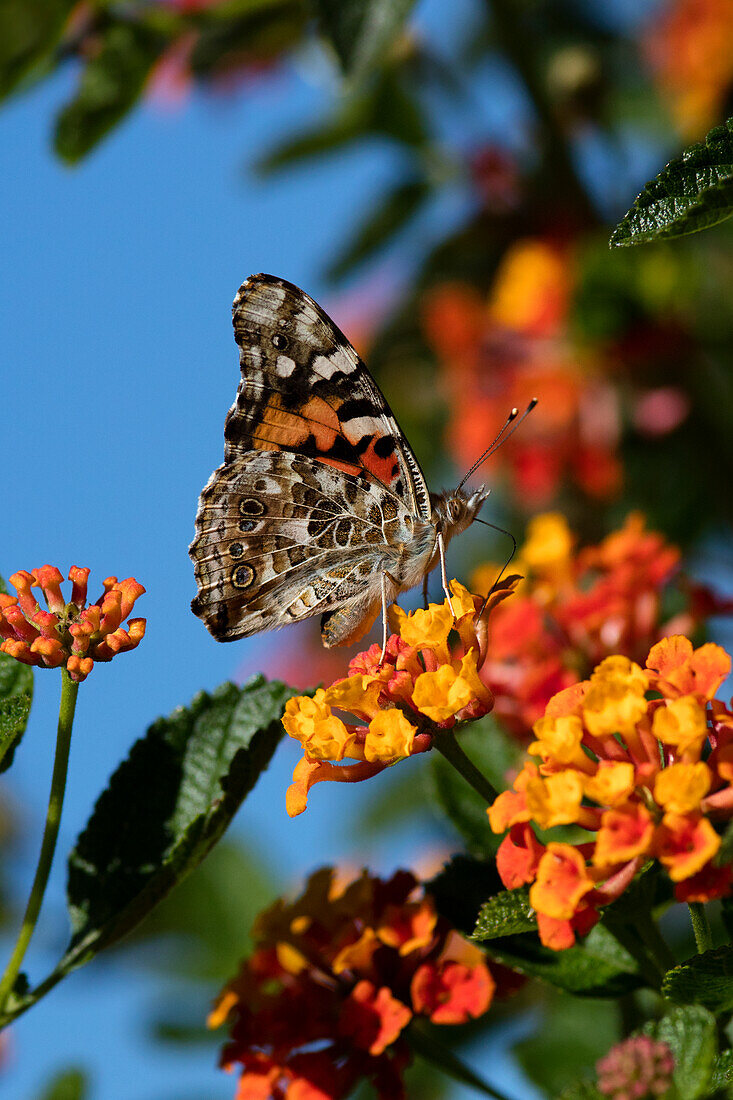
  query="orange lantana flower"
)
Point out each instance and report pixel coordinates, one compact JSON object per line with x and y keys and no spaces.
{"x":69,"y":635}
{"x":429,"y":679}
{"x":650,"y":777}
{"x":335,"y":978}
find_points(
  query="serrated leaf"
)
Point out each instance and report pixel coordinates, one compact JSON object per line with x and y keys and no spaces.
{"x":29,"y":31}
{"x":387,"y":218}
{"x":722,"y":1075}
{"x":691,"y":1035}
{"x":705,"y":979}
{"x":693,"y":192}
{"x":110,"y":85}
{"x":506,"y":914}
{"x":69,"y":1084}
{"x":599,"y":966}
{"x":361,"y":31}
{"x":166,"y":806}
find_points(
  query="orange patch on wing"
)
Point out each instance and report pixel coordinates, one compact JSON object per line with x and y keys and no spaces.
{"x":280,"y":427}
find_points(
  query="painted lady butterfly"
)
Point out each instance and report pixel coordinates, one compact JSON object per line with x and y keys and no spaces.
{"x":320,"y":506}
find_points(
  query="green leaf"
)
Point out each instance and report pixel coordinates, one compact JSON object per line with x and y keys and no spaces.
{"x":506,"y":914}
{"x":388,"y":109}
{"x":553,"y":1063}
{"x":705,"y":979}
{"x":494,"y":754}
{"x":69,"y":1084}
{"x":361,"y":31}
{"x":166,"y":806}
{"x":390,"y":215}
{"x":691,"y":1035}
{"x":16,"y":696}
{"x":693,"y":192}
{"x":599,"y":966}
{"x":29,"y":31}
{"x":722,"y":1077}
{"x":110,"y":85}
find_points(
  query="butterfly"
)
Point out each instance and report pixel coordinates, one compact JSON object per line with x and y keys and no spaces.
{"x":320,"y":506}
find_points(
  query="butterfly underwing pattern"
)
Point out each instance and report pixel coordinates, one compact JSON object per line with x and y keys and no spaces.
{"x":320,"y":507}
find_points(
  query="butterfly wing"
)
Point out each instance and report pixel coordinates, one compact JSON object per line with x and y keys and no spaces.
{"x":282,"y":537}
{"x":304,"y":390}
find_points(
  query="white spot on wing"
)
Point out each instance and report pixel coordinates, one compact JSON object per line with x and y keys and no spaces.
{"x":285,"y":366}
{"x":362,"y":425}
{"x":338,"y":363}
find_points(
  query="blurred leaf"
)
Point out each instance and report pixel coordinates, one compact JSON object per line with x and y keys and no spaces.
{"x":598,"y":967}
{"x":210,"y":915}
{"x":29,"y":31}
{"x":581,"y":1090}
{"x":705,"y":979}
{"x":552,"y":1062}
{"x":257,"y":31}
{"x":494,"y":753}
{"x":361,"y":31}
{"x":16,"y":696}
{"x":387,"y":109}
{"x":693,"y":192}
{"x":110,"y":85}
{"x":691,"y":1035}
{"x":724,"y":853}
{"x":390,"y":215}
{"x":506,"y":914}
{"x":69,"y":1084}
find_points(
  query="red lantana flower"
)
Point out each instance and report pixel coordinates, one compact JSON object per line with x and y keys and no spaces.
{"x":577,"y":606}
{"x":335,"y":978}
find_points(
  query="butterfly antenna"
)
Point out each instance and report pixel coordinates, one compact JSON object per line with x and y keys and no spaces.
{"x":510,"y":423}
{"x":505,"y":566}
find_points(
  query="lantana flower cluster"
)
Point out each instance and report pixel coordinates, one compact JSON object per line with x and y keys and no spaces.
{"x":335,"y":979}
{"x":423,"y":683}
{"x":69,"y":635}
{"x":641,"y":758}
{"x":639,"y":1068}
{"x":577,"y":606}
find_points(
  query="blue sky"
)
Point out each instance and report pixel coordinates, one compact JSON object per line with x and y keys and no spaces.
{"x":118,"y":367}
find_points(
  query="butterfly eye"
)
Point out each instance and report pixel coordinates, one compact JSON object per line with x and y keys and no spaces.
{"x":279,"y":341}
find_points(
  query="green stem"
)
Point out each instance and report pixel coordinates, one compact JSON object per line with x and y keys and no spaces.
{"x":655,"y":943}
{"x":700,"y":926}
{"x":446,"y":744}
{"x":424,"y":1043}
{"x":67,"y":706}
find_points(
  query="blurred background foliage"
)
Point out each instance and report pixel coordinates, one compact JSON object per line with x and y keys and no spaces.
{"x":516,"y":295}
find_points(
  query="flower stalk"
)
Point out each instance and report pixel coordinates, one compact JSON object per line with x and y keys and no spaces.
{"x":700,"y":926}
{"x":69,"y":690}
{"x":447,"y":745}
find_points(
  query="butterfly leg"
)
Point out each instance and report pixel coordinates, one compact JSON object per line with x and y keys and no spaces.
{"x":384,"y":618}
{"x":425,"y":591}
{"x":443,"y":574}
